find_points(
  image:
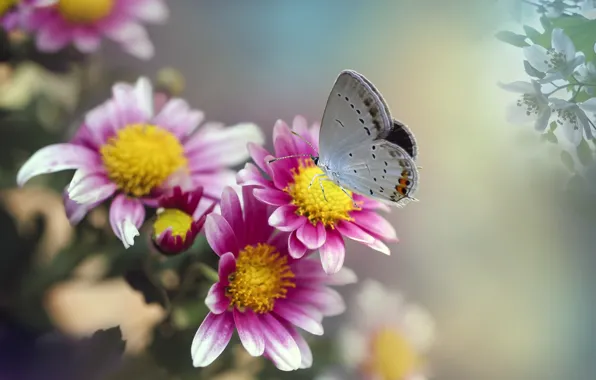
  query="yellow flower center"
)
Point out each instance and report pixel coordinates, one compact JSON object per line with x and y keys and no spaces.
{"x":177,"y":220}
{"x":5,"y":5}
{"x":141,"y":157}
{"x":329,"y":207}
{"x":262,"y":276}
{"x":85,"y":11}
{"x":392,"y":356}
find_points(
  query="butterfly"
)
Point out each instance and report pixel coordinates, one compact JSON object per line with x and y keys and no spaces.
{"x":362,"y":148}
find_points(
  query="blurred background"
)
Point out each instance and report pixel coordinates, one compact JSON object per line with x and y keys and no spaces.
{"x":496,"y":251}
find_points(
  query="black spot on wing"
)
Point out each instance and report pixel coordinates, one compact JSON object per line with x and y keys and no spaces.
{"x":401,"y":137}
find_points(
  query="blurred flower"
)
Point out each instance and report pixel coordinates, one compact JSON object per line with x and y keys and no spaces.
{"x":125,"y":148}
{"x":588,"y":9}
{"x":10,"y":15}
{"x":85,"y":22}
{"x":531,"y":107}
{"x":177,"y":224}
{"x":586,"y":73}
{"x":572,"y":118}
{"x":244,"y":367}
{"x":262,"y":291}
{"x":558,"y":62}
{"x":387,"y":338}
{"x":314,"y":220}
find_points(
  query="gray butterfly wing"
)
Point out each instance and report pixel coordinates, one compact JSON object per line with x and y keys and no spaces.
{"x":355,"y":112}
{"x":401,"y":135}
{"x":381,"y":170}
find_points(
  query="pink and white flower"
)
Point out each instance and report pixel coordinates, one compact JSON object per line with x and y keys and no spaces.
{"x":127,"y":150}
{"x":85,"y":23}
{"x":315,"y":220}
{"x":262,"y":292}
{"x":387,"y":338}
{"x":11,"y":11}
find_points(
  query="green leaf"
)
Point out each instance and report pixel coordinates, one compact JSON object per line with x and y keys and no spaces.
{"x":553,"y":126}
{"x":582,"y":32}
{"x":542,"y":39}
{"x":567,"y":160}
{"x":546,"y":24}
{"x":584,"y":153}
{"x":512,"y":38}
{"x":531,"y":71}
{"x":582,"y":97}
{"x":550,"y":137}
{"x":208,"y":272}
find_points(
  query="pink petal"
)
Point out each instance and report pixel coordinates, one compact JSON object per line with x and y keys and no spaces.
{"x":284,"y":218}
{"x":53,"y":36}
{"x":378,"y":245}
{"x":280,"y":346}
{"x":371,"y":204}
{"x":143,"y":93}
{"x":309,"y":271}
{"x":328,"y":301}
{"x":213,"y":183}
{"x":375,"y":224}
{"x":345,"y":276}
{"x":300,"y":126}
{"x":177,"y":117}
{"x":281,"y":173}
{"x":86,"y":40}
{"x":101,"y":123}
{"x":211,"y":338}
{"x":55,"y":158}
{"x":256,"y":228}
{"x":280,"y":242}
{"x":90,"y":187}
{"x":251,"y":175}
{"x":281,"y":128}
{"x":306,"y":317}
{"x":227,"y":265}
{"x":220,"y":235}
{"x":75,"y":212}
{"x":154,"y":11}
{"x":222,"y":148}
{"x":312,"y":236}
{"x":250,"y":332}
{"x":126,"y":217}
{"x":216,"y":299}
{"x":305,"y":352}
{"x":258,"y":154}
{"x":231,"y":210}
{"x":295,"y":246}
{"x":352,"y":231}
{"x":333,"y":252}
{"x":272,"y":197}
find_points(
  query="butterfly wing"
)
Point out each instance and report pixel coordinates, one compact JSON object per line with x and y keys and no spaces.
{"x":401,"y":135}
{"x":381,"y":170}
{"x":355,"y":112}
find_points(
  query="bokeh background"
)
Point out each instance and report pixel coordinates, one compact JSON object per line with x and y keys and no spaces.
{"x":495,"y":249}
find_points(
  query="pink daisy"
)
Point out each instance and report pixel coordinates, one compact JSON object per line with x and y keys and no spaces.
{"x":315,"y":220}
{"x":85,"y":22}
{"x":262,"y":292}
{"x":126,"y":149}
{"x":179,"y":220}
{"x":11,"y":11}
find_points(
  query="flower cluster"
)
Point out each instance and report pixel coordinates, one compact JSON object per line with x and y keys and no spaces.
{"x":58,"y":23}
{"x":559,"y":99}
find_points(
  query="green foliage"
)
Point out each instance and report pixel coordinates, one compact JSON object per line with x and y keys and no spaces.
{"x":584,"y":153}
{"x":512,"y":38}
{"x":531,"y":71}
{"x":567,"y":160}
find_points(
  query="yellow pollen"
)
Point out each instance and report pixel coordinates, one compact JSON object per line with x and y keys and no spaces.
{"x":85,"y":11}
{"x":392,"y":357}
{"x":177,"y":220}
{"x":262,"y":276}
{"x":329,"y":208}
{"x":141,"y":157}
{"x":5,"y":5}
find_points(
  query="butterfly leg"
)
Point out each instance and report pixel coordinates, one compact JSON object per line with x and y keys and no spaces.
{"x":348,"y":194}
{"x":315,"y":177}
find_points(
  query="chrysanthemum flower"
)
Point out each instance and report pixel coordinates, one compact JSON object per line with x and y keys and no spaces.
{"x":315,"y":220}
{"x":262,"y":292}
{"x":387,"y":338}
{"x":178,"y":223}
{"x":126,"y":149}
{"x":11,"y":11}
{"x":84,"y":23}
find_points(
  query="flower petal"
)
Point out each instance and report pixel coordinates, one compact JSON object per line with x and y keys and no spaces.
{"x":220,"y":235}
{"x":154,"y":11}
{"x":352,"y":231}
{"x":87,"y":41}
{"x":256,"y":228}
{"x":252,"y":176}
{"x":55,"y":158}
{"x":90,"y":187}
{"x":518,"y":86}
{"x":177,"y":117}
{"x":258,"y":154}
{"x":216,"y":299}
{"x":305,"y":352}
{"x":537,"y":57}
{"x":126,"y":217}
{"x":143,"y":92}
{"x":375,"y":224}
{"x":328,"y":301}
{"x":306,"y":317}
{"x":280,"y":171}
{"x":333,"y":252}
{"x":344,"y":276}
{"x":250,"y":332}
{"x":75,"y":212}
{"x":227,"y":265}
{"x":280,"y":346}
{"x":311,"y":236}
{"x":563,"y":44}
{"x":542,"y":121}
{"x":211,"y":338}
{"x":378,"y":245}
{"x":231,"y":210}
{"x":272,"y":197}
{"x":295,"y":247}
{"x":285,"y":219}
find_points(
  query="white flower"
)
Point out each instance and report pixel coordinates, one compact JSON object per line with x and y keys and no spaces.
{"x":572,"y":118}
{"x":558,"y":62}
{"x":586,"y":73}
{"x":531,"y":107}
{"x":588,"y":9}
{"x":387,"y":338}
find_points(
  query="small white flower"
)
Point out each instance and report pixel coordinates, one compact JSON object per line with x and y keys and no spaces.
{"x":588,"y":9}
{"x":572,"y":118}
{"x":557,"y":62}
{"x":531,"y":107}
{"x":586,"y":73}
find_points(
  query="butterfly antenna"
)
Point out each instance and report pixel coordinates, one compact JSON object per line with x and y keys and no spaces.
{"x":286,"y":157}
{"x":305,"y":140}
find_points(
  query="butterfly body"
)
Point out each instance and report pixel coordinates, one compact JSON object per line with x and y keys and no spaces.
{"x":362,"y":148}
